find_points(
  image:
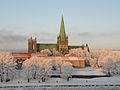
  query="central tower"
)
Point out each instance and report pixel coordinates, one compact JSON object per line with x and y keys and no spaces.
{"x":62,"y":39}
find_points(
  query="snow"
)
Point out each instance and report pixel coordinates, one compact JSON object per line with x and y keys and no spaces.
{"x":83,"y":71}
{"x":20,"y":83}
{"x":101,"y":83}
{"x":87,"y":71}
{"x":52,"y":81}
{"x":115,"y":80}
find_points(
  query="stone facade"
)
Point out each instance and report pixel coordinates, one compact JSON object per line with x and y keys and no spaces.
{"x":62,"y":45}
{"x":32,"y":48}
{"x":77,"y":62}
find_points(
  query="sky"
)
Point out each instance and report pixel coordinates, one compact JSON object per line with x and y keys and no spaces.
{"x":95,"y":22}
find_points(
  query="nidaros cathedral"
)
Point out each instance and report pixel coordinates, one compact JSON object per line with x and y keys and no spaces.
{"x":61,"y":45}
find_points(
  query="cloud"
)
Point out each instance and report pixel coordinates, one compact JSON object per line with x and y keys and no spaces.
{"x":95,"y":34}
{"x":96,"y":39}
{"x":7,"y":37}
{"x":11,"y":40}
{"x":84,"y":34}
{"x":46,"y":37}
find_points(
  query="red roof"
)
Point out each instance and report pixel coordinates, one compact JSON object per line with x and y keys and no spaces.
{"x":21,"y":55}
{"x":70,"y":58}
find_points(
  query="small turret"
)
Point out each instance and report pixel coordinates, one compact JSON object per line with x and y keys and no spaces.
{"x":86,"y":48}
{"x":32,"y":45}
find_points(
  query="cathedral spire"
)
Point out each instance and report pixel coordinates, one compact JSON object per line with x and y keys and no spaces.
{"x":62,"y":31}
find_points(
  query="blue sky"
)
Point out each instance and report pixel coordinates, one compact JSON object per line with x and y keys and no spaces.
{"x":96,"y":22}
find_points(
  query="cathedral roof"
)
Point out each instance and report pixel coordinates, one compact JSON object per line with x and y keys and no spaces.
{"x":62,"y":31}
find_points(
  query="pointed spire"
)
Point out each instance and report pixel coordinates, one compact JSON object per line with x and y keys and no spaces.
{"x":31,"y":38}
{"x":62,"y":31}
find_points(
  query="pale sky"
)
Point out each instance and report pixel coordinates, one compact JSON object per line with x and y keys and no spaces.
{"x":96,"y":22}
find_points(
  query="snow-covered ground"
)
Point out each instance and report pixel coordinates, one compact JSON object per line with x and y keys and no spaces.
{"x":115,"y":80}
{"x":101,"y":83}
{"x":87,"y":71}
{"x":83,"y":71}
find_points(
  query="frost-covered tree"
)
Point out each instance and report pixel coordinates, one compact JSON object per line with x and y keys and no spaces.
{"x":77,"y":52}
{"x":36,"y":68}
{"x":27,"y":73}
{"x":55,"y":52}
{"x":58,"y":63}
{"x":108,"y":67}
{"x":112,"y":68}
{"x":66,"y":70}
{"x":46,"y":69}
{"x":107,"y":59}
{"x":7,"y":67}
{"x":100,"y":57}
{"x":46,"y":52}
{"x":118,"y":67}
{"x":31,"y":68}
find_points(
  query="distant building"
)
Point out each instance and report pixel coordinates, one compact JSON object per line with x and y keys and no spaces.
{"x":23,"y":56}
{"x":20,"y":58}
{"x":77,"y":62}
{"x":61,"y":45}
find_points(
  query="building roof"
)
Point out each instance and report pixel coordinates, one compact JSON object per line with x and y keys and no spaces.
{"x":42,"y":46}
{"x":64,"y":58}
{"x":72,"y":47}
{"x":21,"y":55}
{"x":62,"y":33}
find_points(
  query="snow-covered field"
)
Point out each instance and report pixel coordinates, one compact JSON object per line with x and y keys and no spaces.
{"x":102,"y":83}
{"x":87,"y":71}
{"x":83,"y":71}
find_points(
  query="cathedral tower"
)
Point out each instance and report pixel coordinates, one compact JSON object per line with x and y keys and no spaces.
{"x":32,"y":45}
{"x":62,"y":39}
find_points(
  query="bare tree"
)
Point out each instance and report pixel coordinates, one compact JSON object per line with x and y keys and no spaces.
{"x":7,"y":67}
{"x":46,"y":52}
{"x":66,"y":70}
{"x":58,"y":63}
{"x":37,"y":68}
{"x":112,"y":68}
{"x":55,"y":52}
{"x":77,"y":52}
{"x":100,"y":57}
